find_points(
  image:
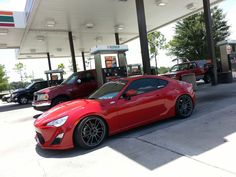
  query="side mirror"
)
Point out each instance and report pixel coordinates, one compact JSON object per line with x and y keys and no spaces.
{"x":130,"y":93}
{"x":79,"y":81}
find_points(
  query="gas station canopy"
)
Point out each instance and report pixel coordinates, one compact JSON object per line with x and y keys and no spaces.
{"x":47,"y":23}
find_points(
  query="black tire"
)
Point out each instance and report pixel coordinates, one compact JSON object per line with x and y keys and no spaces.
{"x":207,"y":78}
{"x":184,"y":106}
{"x":59,"y":100}
{"x":90,"y":132}
{"x":23,"y":100}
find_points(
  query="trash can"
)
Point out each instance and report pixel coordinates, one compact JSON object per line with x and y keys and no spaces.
{"x":190,"y":78}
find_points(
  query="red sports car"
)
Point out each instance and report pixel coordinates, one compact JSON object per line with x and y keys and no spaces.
{"x":115,"y":107}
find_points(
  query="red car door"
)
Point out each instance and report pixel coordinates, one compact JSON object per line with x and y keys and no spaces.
{"x":86,"y":87}
{"x":144,"y":107}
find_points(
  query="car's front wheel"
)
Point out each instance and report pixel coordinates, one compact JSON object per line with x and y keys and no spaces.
{"x":23,"y":100}
{"x":184,"y":106}
{"x":207,"y":78}
{"x":90,"y":132}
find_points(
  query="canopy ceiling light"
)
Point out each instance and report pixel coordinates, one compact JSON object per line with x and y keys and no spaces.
{"x":32,"y":50}
{"x":119,"y":27}
{"x":191,"y":6}
{"x":3,"y":32}
{"x":99,"y":38}
{"x":59,"y":49}
{"x":50,"y":23}
{"x":40,"y":38}
{"x":89,"y":25}
{"x":3,"y":46}
{"x":161,"y":2}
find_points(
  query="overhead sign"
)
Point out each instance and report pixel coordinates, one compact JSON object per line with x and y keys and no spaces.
{"x":12,"y":19}
{"x":109,"y":48}
{"x":6,"y":19}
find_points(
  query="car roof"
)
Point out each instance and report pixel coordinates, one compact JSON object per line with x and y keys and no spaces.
{"x":132,"y":78}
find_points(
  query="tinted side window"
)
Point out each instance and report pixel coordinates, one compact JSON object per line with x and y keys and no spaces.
{"x":87,"y":77}
{"x":143,"y":85}
{"x":161,"y":83}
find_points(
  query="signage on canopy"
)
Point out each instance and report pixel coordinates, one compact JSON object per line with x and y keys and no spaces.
{"x":12,"y":19}
{"x":109,"y":48}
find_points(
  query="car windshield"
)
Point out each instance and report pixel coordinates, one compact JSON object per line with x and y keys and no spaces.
{"x":179,"y":67}
{"x":30,"y":85}
{"x":108,"y":90}
{"x":71,"y":79}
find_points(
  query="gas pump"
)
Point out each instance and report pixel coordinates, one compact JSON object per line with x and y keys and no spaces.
{"x":110,"y":62}
{"x":227,"y":63}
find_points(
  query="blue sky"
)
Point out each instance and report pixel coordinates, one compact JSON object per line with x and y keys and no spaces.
{"x":8,"y":58}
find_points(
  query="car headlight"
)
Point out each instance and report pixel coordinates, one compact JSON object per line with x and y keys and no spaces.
{"x":58,"y":122}
{"x":14,"y":95}
{"x":42,"y":97}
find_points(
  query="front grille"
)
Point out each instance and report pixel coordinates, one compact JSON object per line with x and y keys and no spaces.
{"x":35,"y":97}
{"x":56,"y":141}
{"x":40,"y":138}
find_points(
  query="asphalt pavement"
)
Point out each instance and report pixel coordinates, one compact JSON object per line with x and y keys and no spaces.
{"x":200,"y":146}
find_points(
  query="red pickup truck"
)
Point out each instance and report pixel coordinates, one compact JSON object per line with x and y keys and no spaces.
{"x":78,"y":85}
{"x":200,"y":71}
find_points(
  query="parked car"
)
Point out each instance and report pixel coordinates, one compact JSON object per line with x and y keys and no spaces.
{"x":24,"y":95}
{"x":6,"y":98}
{"x":78,"y":85}
{"x":200,"y":71}
{"x":115,"y":107}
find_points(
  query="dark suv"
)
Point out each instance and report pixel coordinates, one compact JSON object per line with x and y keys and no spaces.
{"x":24,"y":95}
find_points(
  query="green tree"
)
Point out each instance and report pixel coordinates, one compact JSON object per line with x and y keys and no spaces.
{"x":3,"y":79}
{"x":19,"y":68}
{"x":61,"y":66}
{"x":163,"y":70}
{"x":156,"y":41}
{"x":189,"y":40}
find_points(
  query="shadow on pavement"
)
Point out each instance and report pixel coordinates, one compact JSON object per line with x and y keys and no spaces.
{"x":13,"y":106}
{"x":160,"y":143}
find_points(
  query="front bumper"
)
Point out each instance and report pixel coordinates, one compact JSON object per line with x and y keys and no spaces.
{"x":49,"y":137}
{"x":41,"y":105}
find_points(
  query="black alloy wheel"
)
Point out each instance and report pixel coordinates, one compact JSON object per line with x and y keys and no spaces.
{"x":90,"y":132}
{"x":184,"y":106}
{"x":23,"y":100}
{"x":207,"y":79}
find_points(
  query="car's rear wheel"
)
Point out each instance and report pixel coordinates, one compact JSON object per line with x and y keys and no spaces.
{"x":23,"y":100}
{"x":207,"y":78}
{"x":184,"y":106}
{"x":90,"y":132}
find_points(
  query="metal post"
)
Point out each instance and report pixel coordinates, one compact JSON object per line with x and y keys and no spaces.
{"x":143,"y":36}
{"x":117,"y":38}
{"x":117,"y":43}
{"x":210,"y":41}
{"x":83,"y":58}
{"x":50,"y":67}
{"x":72,"y":51}
{"x":49,"y":61}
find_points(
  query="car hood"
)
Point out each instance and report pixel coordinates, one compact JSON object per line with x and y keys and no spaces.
{"x":69,"y":108}
{"x":50,"y":89}
{"x":19,"y":90}
{"x":169,"y":74}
